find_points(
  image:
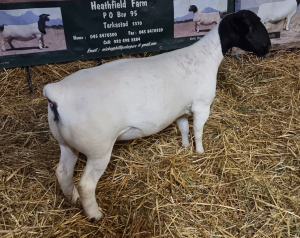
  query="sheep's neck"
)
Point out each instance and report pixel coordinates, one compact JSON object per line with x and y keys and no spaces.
{"x":210,"y":46}
{"x":41,"y":26}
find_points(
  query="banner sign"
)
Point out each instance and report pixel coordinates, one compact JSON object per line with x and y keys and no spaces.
{"x":281,"y":18}
{"x":42,"y":32}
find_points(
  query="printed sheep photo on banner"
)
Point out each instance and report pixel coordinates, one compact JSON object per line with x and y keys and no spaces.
{"x":24,"y":31}
{"x":203,"y":18}
{"x":197,"y":17}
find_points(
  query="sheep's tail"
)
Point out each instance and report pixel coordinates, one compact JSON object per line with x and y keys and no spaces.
{"x":53,"y":105}
{"x":2,"y":27}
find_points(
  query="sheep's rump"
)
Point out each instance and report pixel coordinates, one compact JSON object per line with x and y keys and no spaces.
{"x":206,"y":18}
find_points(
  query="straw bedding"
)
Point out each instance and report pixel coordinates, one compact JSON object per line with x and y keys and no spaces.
{"x":246,"y":184}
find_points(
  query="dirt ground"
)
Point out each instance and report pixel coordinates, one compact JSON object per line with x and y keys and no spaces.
{"x":186,"y":29}
{"x":54,"y":40}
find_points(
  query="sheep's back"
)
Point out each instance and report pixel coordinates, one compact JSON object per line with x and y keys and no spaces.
{"x":207,"y":18}
{"x":21,"y":31}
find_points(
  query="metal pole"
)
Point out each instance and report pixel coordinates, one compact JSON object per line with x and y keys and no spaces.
{"x":28,"y":79}
{"x":99,"y":61}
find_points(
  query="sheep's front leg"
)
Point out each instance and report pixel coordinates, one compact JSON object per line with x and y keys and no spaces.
{"x":200,"y":117}
{"x":284,"y":24}
{"x":195,"y":26}
{"x":39,"y":37}
{"x":40,"y":44}
{"x":43,"y":42}
{"x":183,"y":125}
{"x":64,"y":173}
{"x":93,"y":171}
{"x":198,"y":26}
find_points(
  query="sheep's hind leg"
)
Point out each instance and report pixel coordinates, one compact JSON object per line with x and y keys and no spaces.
{"x":65,"y":171}
{"x":2,"y":44}
{"x":200,"y":117}
{"x":183,"y":125}
{"x":93,"y":171}
{"x":10,"y":44}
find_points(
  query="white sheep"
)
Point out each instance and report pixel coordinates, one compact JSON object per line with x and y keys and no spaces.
{"x":204,"y":18}
{"x":274,"y":12}
{"x":25,"y":32}
{"x":131,"y":98}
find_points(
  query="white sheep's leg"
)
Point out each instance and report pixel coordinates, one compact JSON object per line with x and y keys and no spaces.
{"x":39,"y":37}
{"x":198,"y":27}
{"x":40,"y":44}
{"x":183,"y":125}
{"x":65,"y":171}
{"x":93,"y":171}
{"x":200,"y":117}
{"x":43,"y":42}
{"x":288,"y":20}
{"x":284,"y":24}
{"x":2,"y":44}
{"x":195,"y":26}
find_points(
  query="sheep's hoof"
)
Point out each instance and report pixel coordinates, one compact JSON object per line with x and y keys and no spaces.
{"x":185,"y":145}
{"x":75,"y":198}
{"x":45,"y":46}
{"x":200,"y":151}
{"x":3,"y":50}
{"x":96,"y":216}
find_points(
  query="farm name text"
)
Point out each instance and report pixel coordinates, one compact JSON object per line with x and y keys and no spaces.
{"x":113,"y":4}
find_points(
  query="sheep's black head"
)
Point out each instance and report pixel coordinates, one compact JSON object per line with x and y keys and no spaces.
{"x":193,"y":8}
{"x":44,"y":17}
{"x":244,"y":29}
